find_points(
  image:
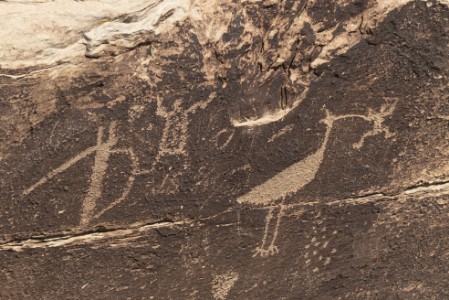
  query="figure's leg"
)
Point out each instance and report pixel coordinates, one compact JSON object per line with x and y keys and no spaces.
{"x":273,"y":249}
{"x":98,"y":172}
{"x":268,"y":248}
{"x":261,"y":249}
{"x":130,"y":181}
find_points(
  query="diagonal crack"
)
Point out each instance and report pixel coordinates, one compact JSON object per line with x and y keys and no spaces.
{"x":94,"y":235}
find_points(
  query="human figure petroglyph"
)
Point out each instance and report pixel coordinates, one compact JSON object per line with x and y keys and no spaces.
{"x":297,"y":176}
{"x":173,"y":142}
{"x":174,"y":138}
{"x":174,"y":134}
{"x":102,"y":151}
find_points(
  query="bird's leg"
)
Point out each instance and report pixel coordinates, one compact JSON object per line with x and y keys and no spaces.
{"x":265,"y":250}
{"x":273,"y":249}
{"x":261,"y":249}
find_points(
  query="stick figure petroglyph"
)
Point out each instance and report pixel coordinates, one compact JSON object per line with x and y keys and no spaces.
{"x":174,"y":134}
{"x":174,"y":137}
{"x":173,"y":142}
{"x":102,"y":150}
{"x":297,"y":176}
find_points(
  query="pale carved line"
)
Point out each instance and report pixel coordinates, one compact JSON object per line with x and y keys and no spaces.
{"x":60,"y":169}
{"x":265,"y":232}
{"x":66,"y":165}
{"x":129,"y":184}
{"x":280,"y":133}
{"x":98,"y":172}
{"x":226,"y":143}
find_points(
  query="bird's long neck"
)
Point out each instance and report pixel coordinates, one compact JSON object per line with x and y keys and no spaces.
{"x":329,"y":126}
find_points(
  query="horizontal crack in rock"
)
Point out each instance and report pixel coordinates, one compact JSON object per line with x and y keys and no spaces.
{"x":95,"y":235}
{"x":109,"y":235}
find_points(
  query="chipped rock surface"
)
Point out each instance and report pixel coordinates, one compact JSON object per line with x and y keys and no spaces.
{"x":218,"y":149}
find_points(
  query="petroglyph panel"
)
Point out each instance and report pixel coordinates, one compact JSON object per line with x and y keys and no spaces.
{"x":224,"y":149}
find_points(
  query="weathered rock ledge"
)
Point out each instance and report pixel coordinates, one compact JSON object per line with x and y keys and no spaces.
{"x":222,"y":149}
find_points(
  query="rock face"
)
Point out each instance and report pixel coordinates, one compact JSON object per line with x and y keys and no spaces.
{"x":198,"y":149}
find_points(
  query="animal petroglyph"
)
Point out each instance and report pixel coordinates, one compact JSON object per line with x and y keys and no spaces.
{"x":102,"y":150}
{"x":377,"y":119}
{"x":297,"y":176}
{"x":289,"y":181}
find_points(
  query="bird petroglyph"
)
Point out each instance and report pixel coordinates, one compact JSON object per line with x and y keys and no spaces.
{"x":297,"y":176}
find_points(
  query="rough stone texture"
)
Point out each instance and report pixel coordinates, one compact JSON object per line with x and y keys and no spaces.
{"x":224,"y":149}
